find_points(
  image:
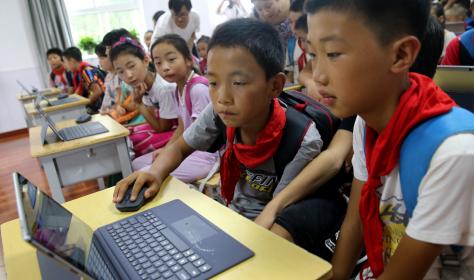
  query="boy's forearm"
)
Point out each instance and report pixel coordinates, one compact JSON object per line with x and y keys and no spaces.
{"x":170,"y":158}
{"x":95,"y":92}
{"x":350,"y":241}
{"x":319,"y":171}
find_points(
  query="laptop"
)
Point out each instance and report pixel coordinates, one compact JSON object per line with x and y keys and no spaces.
{"x":458,"y":82}
{"x":40,"y":94}
{"x":72,"y":132}
{"x":170,"y":241}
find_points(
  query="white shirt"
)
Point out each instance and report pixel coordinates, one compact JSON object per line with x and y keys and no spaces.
{"x":448,"y":36}
{"x":161,"y":96}
{"x":445,"y":207}
{"x":166,"y":25}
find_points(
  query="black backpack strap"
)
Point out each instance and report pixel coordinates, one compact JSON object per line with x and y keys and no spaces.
{"x":222,"y":138}
{"x":295,"y":129}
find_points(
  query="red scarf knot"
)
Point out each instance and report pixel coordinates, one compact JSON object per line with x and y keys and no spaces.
{"x":250,"y":156}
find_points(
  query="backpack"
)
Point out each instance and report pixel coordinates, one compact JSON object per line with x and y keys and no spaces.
{"x":415,"y":155}
{"x":415,"y":158}
{"x":301,"y":112}
{"x":187,"y":94}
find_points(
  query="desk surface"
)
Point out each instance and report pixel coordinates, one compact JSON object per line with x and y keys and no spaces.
{"x":116,"y":130}
{"x":275,"y":258}
{"x":31,"y":110}
{"x":23,"y":96}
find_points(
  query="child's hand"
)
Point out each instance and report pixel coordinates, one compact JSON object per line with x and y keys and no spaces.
{"x":267,"y":216}
{"x":138,"y":93}
{"x":137,"y":181}
{"x":120,"y":110}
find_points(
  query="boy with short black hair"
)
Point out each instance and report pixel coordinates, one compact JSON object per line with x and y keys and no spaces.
{"x":362,"y":51}
{"x":245,"y":64}
{"x":88,"y":81}
{"x":59,"y":77}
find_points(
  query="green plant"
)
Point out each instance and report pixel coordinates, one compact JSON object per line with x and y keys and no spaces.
{"x":134,"y":34}
{"x":87,"y":44}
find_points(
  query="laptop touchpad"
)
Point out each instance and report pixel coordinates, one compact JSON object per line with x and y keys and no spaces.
{"x":193,"y":229}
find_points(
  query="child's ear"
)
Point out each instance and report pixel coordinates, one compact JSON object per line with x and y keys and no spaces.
{"x":405,"y":51}
{"x":277,"y":84}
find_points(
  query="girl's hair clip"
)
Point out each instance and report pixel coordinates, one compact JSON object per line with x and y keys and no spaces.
{"x":129,"y":41}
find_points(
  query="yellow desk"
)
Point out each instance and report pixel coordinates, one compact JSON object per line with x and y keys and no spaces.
{"x":82,"y":159}
{"x":275,"y":258}
{"x":62,"y":112}
{"x":25,"y":97}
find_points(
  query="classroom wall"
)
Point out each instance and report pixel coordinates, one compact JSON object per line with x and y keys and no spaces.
{"x":18,"y":61}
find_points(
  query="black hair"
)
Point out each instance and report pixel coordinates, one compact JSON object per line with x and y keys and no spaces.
{"x":259,"y":38}
{"x":175,"y":5}
{"x":100,"y":50}
{"x":176,"y":41}
{"x":388,"y":19}
{"x":203,"y":39}
{"x":431,"y":49}
{"x":56,"y":51}
{"x":302,"y":23}
{"x":113,"y":36}
{"x":127,"y":46}
{"x":157,"y":15}
{"x":73,"y":52}
{"x":297,"y":6}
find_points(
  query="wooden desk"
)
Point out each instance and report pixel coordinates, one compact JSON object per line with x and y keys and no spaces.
{"x":275,"y":258}
{"x":67,"y":111}
{"x":82,"y":159}
{"x":25,"y":99}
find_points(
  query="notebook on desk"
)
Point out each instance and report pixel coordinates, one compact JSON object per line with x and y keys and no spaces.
{"x":72,"y":132}
{"x":458,"y":82}
{"x":170,"y":241}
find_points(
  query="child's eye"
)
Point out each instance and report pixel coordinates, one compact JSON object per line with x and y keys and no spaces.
{"x":239,"y":83}
{"x":312,"y":56}
{"x":333,"y":55}
{"x":212,"y":84}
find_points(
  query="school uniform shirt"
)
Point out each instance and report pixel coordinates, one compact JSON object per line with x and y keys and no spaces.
{"x":256,"y":187}
{"x":443,"y":214}
{"x":60,"y":79}
{"x":161,"y":96}
{"x":460,"y":50}
{"x":166,"y":25}
{"x":112,"y":82}
{"x":448,"y":37}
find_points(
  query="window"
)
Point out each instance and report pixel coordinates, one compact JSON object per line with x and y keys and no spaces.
{"x":94,"y":18}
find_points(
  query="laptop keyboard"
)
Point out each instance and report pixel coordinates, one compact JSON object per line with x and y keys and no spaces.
{"x":83,"y":130}
{"x":63,"y":101}
{"x":96,"y":266}
{"x":154,"y":251}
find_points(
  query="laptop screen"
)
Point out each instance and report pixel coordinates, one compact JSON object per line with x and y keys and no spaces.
{"x":46,"y":223}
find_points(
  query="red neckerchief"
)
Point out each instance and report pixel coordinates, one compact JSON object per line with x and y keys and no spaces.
{"x":78,"y":88}
{"x":302,"y":58}
{"x":60,"y":72}
{"x":250,"y":156}
{"x":420,"y":102}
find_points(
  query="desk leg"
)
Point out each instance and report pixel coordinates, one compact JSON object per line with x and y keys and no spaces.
{"x":101,"y":183}
{"x":124,"y":158}
{"x":53,"y":179}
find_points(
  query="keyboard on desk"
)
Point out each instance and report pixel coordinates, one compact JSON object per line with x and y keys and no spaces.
{"x":82,"y":130}
{"x":153,"y":250}
{"x":63,"y":101}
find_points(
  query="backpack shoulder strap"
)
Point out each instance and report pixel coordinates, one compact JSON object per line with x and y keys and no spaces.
{"x":189,"y":85}
{"x":420,"y":145}
{"x":296,"y":126}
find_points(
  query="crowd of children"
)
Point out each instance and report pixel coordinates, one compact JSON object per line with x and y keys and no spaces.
{"x":194,"y":106}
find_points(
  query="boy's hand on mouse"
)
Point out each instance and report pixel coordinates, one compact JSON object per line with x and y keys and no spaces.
{"x":136,"y":180}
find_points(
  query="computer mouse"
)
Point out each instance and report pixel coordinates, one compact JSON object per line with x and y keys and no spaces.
{"x":83,"y":118}
{"x":129,"y":206}
{"x":62,"y":95}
